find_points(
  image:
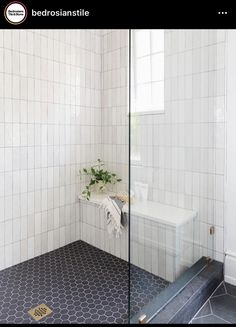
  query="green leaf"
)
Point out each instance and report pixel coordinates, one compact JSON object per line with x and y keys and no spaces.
{"x":97,"y":175}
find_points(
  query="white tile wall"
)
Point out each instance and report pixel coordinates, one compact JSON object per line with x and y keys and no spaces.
{"x":114,"y":137}
{"x":64,"y":103}
{"x":183,"y":150}
{"x":50,"y":125}
{"x":115,"y":103}
{"x":161,"y":249}
{"x":94,"y":231}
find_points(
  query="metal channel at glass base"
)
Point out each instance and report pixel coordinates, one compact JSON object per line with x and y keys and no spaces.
{"x":161,"y":300}
{"x":142,"y":319}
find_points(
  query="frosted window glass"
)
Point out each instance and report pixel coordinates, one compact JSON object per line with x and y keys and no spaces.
{"x":158,"y":67}
{"x":142,"y":42}
{"x":157,"y":40}
{"x":143,"y":97}
{"x":143,"y":70}
{"x":147,"y":71}
{"x":158,"y":95}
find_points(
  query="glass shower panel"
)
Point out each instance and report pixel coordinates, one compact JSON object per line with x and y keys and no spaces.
{"x":177,"y":96}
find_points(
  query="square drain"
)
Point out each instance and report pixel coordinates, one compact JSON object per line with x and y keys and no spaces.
{"x":40,"y":312}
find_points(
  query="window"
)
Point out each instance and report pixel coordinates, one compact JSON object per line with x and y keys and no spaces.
{"x":147,"y":93}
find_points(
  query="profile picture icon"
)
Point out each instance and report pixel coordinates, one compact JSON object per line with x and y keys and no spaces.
{"x":15,"y":12}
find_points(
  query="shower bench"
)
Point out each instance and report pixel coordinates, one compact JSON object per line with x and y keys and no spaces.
{"x":161,"y":236}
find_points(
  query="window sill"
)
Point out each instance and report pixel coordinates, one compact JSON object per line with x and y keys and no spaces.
{"x":143,"y":113}
{"x":135,"y":162}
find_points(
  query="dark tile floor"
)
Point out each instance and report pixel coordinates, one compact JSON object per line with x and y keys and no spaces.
{"x":220,"y":308}
{"x":80,"y":283}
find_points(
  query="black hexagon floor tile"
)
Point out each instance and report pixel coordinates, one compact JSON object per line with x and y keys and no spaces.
{"x":79,"y":283}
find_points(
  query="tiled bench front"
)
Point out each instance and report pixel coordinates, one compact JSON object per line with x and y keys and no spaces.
{"x":161,"y":236}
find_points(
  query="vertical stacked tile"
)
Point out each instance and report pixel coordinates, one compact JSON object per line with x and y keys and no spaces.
{"x":50,"y":126}
{"x":114,"y":139}
{"x":94,"y":231}
{"x":182,"y":151}
{"x":115,"y":97}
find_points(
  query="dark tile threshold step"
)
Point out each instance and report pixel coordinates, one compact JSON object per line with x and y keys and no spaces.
{"x":182,"y":308}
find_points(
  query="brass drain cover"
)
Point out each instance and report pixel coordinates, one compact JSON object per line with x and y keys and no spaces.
{"x":40,"y":312}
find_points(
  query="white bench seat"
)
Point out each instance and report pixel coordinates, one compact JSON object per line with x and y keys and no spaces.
{"x":158,"y":212}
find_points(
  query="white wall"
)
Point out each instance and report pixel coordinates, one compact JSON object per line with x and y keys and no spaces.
{"x":94,"y":231}
{"x":114,"y":138}
{"x":50,"y":125}
{"x":230,"y":203}
{"x":182,"y":150}
{"x":63,"y":104}
{"x":115,"y":117}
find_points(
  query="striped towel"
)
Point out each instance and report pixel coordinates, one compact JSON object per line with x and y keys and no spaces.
{"x":116,"y":219}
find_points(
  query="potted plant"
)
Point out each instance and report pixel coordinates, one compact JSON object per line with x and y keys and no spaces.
{"x":99,"y":177}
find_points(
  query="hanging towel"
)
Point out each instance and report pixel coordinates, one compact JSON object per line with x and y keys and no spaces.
{"x":120,"y":203}
{"x":116,"y":219}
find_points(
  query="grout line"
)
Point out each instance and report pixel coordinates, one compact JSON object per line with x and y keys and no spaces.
{"x":210,"y":305}
{"x":212,"y":295}
{"x":208,"y":299}
{"x":194,"y":317}
{"x":215,"y":296}
{"x":222,"y":318}
{"x":226,"y":292}
{"x":225,"y":288}
{"x":202,"y":317}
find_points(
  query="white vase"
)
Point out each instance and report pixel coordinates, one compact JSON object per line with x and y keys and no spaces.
{"x":97,"y":187}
